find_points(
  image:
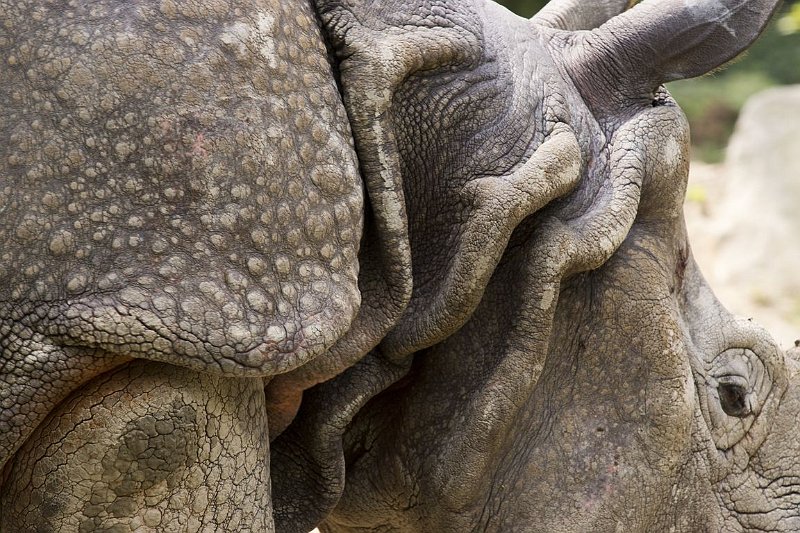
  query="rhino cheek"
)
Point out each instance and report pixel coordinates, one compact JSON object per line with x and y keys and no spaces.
{"x":766,"y":495}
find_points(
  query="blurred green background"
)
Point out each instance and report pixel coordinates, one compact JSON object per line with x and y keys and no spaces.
{"x":712,"y":102}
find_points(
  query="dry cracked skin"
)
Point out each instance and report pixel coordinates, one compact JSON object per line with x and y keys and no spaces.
{"x":375,"y":266}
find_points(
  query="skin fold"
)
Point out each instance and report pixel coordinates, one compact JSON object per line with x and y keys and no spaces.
{"x":374,"y":266}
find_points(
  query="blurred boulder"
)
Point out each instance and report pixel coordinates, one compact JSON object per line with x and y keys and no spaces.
{"x":748,"y":226}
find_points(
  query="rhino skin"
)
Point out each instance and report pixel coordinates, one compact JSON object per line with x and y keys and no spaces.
{"x":372,"y":266}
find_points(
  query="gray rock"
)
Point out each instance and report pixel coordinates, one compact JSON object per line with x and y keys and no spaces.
{"x":759,"y":250}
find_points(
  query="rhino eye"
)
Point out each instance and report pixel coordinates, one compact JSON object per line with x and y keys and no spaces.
{"x":733,"y":396}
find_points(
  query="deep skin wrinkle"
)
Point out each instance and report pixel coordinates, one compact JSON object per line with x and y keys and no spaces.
{"x":399,"y":266}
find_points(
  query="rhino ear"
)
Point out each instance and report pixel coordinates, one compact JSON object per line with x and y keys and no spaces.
{"x":579,"y":14}
{"x":659,"y":41}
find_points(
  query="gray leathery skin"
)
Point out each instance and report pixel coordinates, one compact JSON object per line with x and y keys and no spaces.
{"x":461,"y":229}
{"x":178,"y":183}
{"x":148,"y":447}
{"x":577,"y":15}
{"x":586,"y":390}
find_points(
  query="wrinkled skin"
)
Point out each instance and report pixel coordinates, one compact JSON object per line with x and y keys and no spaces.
{"x":459,"y":232}
{"x":598,"y":385}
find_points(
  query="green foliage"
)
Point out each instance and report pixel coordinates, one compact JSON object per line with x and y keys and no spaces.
{"x":790,"y":21}
{"x":525,"y":8}
{"x":712,"y":106}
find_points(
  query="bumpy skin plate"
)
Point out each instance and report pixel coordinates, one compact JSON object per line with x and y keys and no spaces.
{"x":177,"y":183}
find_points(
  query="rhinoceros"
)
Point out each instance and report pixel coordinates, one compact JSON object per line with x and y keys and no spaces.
{"x":373,"y":266}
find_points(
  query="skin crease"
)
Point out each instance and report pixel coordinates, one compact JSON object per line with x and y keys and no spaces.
{"x":594,"y":403}
{"x":200,"y":199}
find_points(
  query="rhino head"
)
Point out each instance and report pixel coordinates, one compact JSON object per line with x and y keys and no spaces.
{"x":450,"y":241}
{"x":571,"y":369}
